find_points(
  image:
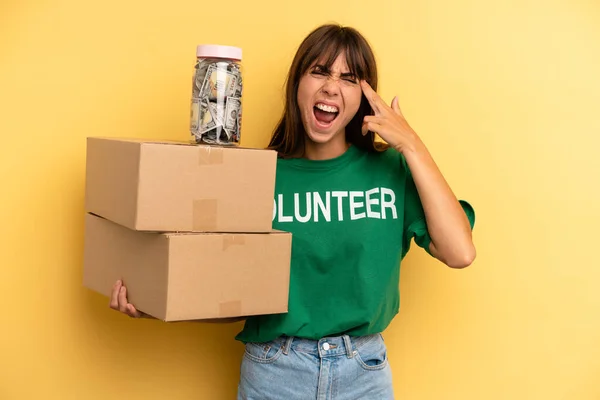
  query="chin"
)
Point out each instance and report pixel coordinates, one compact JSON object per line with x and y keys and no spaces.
{"x":321,"y":138}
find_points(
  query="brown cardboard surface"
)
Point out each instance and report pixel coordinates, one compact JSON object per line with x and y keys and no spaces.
{"x":176,"y":186}
{"x":189,"y":276}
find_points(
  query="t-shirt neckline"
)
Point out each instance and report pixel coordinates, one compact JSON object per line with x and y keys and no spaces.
{"x":330,"y":163}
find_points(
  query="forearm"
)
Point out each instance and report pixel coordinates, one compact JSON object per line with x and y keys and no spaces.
{"x":448,"y":225}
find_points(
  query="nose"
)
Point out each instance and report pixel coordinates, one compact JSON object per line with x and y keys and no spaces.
{"x":331,"y":87}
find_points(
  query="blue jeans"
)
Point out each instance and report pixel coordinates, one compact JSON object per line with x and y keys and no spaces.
{"x":333,"y":368}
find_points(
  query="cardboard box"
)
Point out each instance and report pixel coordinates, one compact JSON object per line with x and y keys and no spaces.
{"x":178,"y":186}
{"x":188,"y":276}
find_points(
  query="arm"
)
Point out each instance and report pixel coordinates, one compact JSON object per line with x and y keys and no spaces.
{"x":447,"y":224}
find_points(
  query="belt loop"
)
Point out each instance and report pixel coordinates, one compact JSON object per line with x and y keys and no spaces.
{"x":288,"y":344}
{"x":348,"y":344}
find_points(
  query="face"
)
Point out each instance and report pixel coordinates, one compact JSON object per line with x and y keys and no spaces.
{"x":328,"y":100}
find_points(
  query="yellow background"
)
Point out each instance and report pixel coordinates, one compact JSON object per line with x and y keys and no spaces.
{"x":506,"y":94}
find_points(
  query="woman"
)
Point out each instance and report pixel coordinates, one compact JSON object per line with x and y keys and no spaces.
{"x":353,"y":205}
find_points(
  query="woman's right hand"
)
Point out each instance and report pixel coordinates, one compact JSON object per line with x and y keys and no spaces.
{"x":118,"y":301}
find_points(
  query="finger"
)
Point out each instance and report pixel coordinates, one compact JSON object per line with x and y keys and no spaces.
{"x":371,"y":119}
{"x":132,"y":312}
{"x":371,"y":126}
{"x":371,"y":95}
{"x":396,"y":106}
{"x":114,"y":301}
{"x":125,"y":306}
{"x":374,"y":118}
{"x":123,"y":299}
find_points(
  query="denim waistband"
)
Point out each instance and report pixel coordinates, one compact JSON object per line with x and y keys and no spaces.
{"x":327,"y":346}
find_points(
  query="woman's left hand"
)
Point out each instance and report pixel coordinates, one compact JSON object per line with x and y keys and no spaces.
{"x":388,"y":122}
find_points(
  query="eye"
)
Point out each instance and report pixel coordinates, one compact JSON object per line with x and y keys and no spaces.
{"x":318,"y":70}
{"x":349,"y":79}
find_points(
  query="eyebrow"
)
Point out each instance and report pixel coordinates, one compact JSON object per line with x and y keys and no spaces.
{"x":342,"y":75}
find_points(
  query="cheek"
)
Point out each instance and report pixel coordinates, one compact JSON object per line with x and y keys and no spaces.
{"x":352,"y":98}
{"x":304,"y":94}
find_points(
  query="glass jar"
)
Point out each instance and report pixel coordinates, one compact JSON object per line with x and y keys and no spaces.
{"x":216,"y":109}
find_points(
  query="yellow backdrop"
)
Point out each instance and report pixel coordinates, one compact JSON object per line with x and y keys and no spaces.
{"x":506,"y":94}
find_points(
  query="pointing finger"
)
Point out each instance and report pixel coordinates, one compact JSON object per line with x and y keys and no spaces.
{"x":372,"y":96}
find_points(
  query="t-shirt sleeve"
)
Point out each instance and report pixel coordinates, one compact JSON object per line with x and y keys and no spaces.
{"x":415,"y":225}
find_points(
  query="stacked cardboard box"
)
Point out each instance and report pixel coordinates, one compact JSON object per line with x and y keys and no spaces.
{"x":186,"y":227}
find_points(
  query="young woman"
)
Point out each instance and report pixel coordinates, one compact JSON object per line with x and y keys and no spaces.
{"x":353,"y":205}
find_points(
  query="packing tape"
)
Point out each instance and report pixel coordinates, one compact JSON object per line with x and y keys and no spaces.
{"x":204,"y":215}
{"x":209,"y":155}
{"x":231,"y":240}
{"x":230,"y":308}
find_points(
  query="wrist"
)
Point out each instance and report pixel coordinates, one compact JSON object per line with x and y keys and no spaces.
{"x":414,"y":148}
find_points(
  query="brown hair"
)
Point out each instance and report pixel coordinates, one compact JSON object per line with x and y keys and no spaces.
{"x":326,"y":42}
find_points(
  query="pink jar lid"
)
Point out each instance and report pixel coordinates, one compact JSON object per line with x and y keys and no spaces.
{"x":218,"y":51}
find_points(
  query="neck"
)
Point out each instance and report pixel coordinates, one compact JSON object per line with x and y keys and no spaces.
{"x":325,"y":151}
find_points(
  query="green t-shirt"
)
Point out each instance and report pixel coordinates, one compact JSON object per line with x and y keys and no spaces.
{"x":352,"y":219}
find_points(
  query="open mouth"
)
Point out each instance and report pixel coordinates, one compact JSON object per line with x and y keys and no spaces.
{"x":325,"y":114}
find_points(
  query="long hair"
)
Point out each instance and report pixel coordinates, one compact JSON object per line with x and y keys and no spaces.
{"x":326,"y":43}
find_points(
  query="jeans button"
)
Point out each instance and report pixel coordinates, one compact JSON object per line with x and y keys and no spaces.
{"x":325,"y":346}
